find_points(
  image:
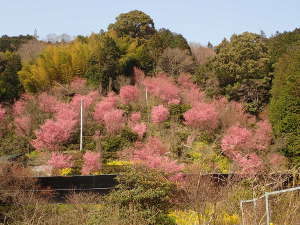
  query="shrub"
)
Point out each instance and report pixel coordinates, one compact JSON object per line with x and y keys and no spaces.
{"x":135,"y":117}
{"x":2,"y":112}
{"x":129,"y":94}
{"x":202,"y":116}
{"x":162,"y":87}
{"x":140,"y":129}
{"x":285,"y":103}
{"x":48,"y":103}
{"x":60,"y":161}
{"x":91,"y":163}
{"x":147,"y":191}
{"x":159,"y":114}
{"x":113,"y":121}
{"x":23,"y":125}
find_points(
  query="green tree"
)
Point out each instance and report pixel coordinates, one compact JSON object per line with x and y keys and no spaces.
{"x":13,"y":43}
{"x":10,"y":86}
{"x":135,"y":24}
{"x":285,"y":103}
{"x":103,"y":66}
{"x":282,"y":42}
{"x":242,"y":67}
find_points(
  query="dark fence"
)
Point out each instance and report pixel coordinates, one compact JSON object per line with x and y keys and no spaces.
{"x":61,"y":186}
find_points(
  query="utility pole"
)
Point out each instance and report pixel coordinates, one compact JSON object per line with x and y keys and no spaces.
{"x":81,"y":122}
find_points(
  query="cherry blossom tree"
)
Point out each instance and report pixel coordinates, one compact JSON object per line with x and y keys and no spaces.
{"x":114,"y":120}
{"x":140,"y":129}
{"x":129,"y":94}
{"x":202,"y":116}
{"x":60,"y":161}
{"x":91,"y":163}
{"x":159,"y":114}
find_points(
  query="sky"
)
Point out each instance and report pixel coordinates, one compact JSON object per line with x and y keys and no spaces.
{"x":197,"y":20}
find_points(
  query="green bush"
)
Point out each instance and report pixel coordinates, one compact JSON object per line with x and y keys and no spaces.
{"x":285,"y":103}
{"x":146,"y":190}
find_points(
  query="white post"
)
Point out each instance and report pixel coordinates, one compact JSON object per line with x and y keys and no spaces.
{"x":241,"y":205}
{"x":267,"y":208}
{"x":81,"y":122}
{"x":147,"y":105}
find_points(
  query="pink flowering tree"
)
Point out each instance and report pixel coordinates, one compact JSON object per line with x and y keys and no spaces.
{"x":140,"y":129}
{"x":48,"y":103}
{"x":202,"y":116}
{"x":159,"y":114}
{"x":162,"y":87}
{"x":236,"y":139}
{"x":151,"y":154}
{"x":105,"y":106}
{"x":135,"y":117}
{"x":129,"y":94}
{"x":23,"y":125}
{"x":78,"y":84}
{"x":2,"y":112}
{"x":60,"y":161}
{"x":91,"y":163}
{"x":19,"y":107}
{"x":138,"y":75}
{"x":55,"y":132}
{"x":113,"y":120}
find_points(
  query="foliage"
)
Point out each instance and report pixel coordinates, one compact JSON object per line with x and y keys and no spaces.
{"x":162,"y":87}
{"x":13,"y":43}
{"x":55,"y":132}
{"x":134,"y":24}
{"x":159,"y":114}
{"x":140,"y":129}
{"x":113,"y":121}
{"x":103,"y":62}
{"x":57,"y":63}
{"x":91,"y":163}
{"x":202,"y":116}
{"x":285,"y":103}
{"x":147,"y":191}
{"x":10,"y":86}
{"x":129,"y":94}
{"x":175,"y":61}
{"x":60,"y":161}
{"x":242,"y":67}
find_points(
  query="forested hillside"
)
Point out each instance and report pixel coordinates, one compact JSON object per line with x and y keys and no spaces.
{"x":156,"y":104}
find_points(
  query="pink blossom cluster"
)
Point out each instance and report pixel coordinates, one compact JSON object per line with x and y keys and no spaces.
{"x":185,"y":81}
{"x":162,"y":87}
{"x":138,"y":75}
{"x":113,"y":120}
{"x":192,"y":96}
{"x":105,"y":106}
{"x":129,"y":94}
{"x":140,"y":129}
{"x":91,"y":163}
{"x":19,"y":107}
{"x":202,"y":116}
{"x":60,"y":161}
{"x":48,"y":103}
{"x":2,"y":112}
{"x":135,"y":117}
{"x":23,"y":125}
{"x":159,"y":114}
{"x":262,"y":137}
{"x":57,"y":131}
{"x":236,"y":138}
{"x":87,"y":100}
{"x":151,"y":154}
{"x":250,"y":163}
{"x":78,"y":84}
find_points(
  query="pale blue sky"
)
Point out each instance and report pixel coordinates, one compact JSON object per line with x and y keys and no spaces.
{"x":198,"y":20}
